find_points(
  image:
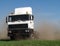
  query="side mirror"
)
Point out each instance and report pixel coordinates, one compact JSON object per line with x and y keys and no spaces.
{"x":6,"y":19}
{"x":32,"y":17}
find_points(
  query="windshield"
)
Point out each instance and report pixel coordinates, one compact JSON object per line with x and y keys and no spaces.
{"x":19,"y":17}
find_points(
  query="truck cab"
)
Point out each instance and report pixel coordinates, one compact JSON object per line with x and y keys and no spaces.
{"x":20,"y":23}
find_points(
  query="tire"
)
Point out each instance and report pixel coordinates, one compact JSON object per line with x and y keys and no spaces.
{"x":32,"y":36}
{"x":12,"y":37}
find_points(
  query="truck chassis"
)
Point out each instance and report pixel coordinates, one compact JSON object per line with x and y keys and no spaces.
{"x":20,"y":34}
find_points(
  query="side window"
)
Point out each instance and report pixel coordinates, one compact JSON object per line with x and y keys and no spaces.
{"x":10,"y":19}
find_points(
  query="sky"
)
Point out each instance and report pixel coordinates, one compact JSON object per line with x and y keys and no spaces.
{"x":42,"y":9}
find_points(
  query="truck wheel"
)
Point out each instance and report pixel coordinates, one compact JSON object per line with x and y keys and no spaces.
{"x":12,"y":37}
{"x":32,"y":36}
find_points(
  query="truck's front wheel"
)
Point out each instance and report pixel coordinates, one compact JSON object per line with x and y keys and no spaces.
{"x":12,"y":37}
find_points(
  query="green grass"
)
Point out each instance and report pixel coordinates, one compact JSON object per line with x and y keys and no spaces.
{"x":31,"y":43}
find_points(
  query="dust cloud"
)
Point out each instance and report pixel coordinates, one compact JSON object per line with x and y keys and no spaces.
{"x":43,"y":31}
{"x":3,"y":29}
{"x":47,"y":31}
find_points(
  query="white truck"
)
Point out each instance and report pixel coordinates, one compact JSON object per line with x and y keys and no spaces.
{"x":20,"y":23}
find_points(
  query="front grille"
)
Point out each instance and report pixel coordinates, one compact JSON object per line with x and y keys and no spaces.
{"x":18,"y":26}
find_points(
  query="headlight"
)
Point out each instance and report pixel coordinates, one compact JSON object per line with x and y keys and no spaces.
{"x":26,"y":30}
{"x":9,"y":31}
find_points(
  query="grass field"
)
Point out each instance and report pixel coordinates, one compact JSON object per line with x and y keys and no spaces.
{"x":31,"y":43}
